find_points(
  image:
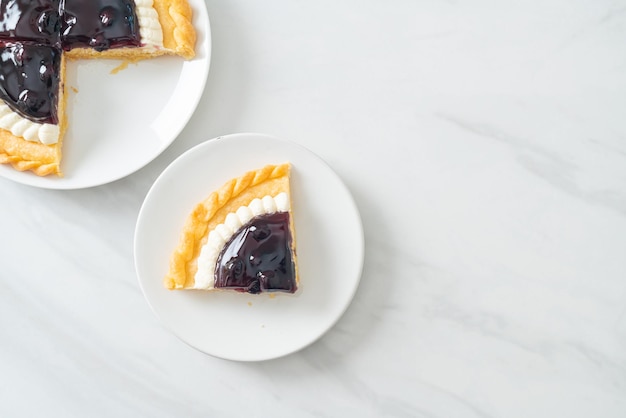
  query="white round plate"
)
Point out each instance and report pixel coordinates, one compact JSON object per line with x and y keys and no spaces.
{"x":118,"y":123}
{"x":240,"y":326}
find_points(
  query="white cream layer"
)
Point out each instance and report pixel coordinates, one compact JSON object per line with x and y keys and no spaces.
{"x":149,"y":26}
{"x":45,"y":133}
{"x":218,"y":237}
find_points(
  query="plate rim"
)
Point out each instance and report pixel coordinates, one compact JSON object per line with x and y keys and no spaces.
{"x":52,"y":182}
{"x":360,"y":251}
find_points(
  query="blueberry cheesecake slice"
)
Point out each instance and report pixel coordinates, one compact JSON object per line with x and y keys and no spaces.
{"x":240,"y":238}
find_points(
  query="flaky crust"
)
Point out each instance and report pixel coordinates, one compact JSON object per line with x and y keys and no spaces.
{"x":25,"y":155}
{"x":179,"y":34}
{"x":269,"y":180}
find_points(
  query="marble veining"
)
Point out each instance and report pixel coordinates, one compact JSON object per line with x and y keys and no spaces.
{"x":484,"y":143}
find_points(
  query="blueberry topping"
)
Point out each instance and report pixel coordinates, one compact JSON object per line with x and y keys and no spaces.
{"x":30,"y":101}
{"x":45,"y":72}
{"x":19,"y":55}
{"x":29,"y":79}
{"x":260,"y":232}
{"x":99,"y":24}
{"x":258,"y":257}
{"x":30,"y":20}
{"x":107,"y":16}
{"x":48,"y":22}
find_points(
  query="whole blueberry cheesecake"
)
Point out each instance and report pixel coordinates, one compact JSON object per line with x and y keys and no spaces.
{"x":37,"y":37}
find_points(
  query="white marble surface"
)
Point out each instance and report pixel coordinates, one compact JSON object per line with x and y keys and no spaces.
{"x":485,"y":144}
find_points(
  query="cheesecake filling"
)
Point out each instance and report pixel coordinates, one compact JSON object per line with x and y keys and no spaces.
{"x":251,"y":250}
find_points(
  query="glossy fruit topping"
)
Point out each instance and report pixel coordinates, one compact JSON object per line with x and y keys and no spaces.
{"x":29,"y":80}
{"x":99,"y":24}
{"x":258,"y":257}
{"x":30,"y":20}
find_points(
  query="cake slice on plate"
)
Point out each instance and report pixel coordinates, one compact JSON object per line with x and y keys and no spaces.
{"x":240,"y":238}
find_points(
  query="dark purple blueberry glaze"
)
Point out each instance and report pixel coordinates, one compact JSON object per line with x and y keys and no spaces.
{"x":99,"y":24}
{"x":29,"y":80}
{"x":30,"y":20}
{"x":258,"y":257}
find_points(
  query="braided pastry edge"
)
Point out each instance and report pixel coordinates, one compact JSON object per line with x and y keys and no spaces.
{"x":196,"y":225}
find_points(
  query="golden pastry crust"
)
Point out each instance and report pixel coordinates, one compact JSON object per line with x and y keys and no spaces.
{"x":25,"y":155}
{"x":179,"y":34}
{"x":269,"y":180}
